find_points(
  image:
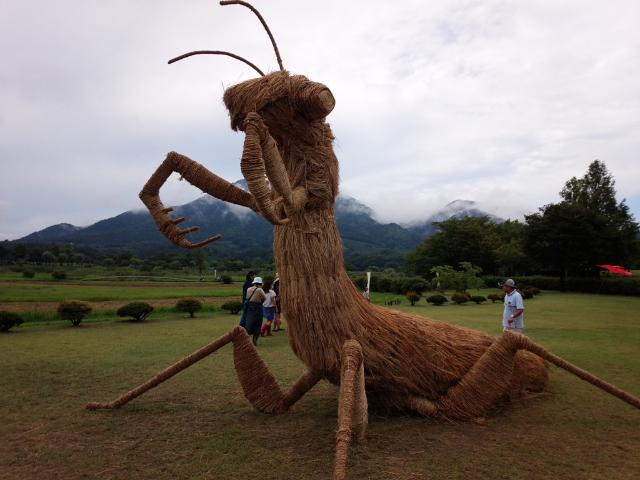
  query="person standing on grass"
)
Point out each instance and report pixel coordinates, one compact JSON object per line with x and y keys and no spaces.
{"x":268,"y":309}
{"x":253,"y":321}
{"x":247,"y":284}
{"x":513,"y":314}
{"x":277,"y":322}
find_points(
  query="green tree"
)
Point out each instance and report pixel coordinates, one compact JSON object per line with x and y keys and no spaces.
{"x":201,"y":262}
{"x":124,"y":258}
{"x":469,"y":239}
{"x":4,"y":251}
{"x":413,"y":297}
{"x":107,"y":261}
{"x":510,"y":257}
{"x":461,"y":279}
{"x":615,"y":226}
{"x":74,"y":311}
{"x":63,"y":258}
{"x":509,"y":254}
{"x":35,"y":255}
{"x":48,"y":257}
{"x":595,"y":191}
{"x":588,"y":227}
{"x":20,"y":251}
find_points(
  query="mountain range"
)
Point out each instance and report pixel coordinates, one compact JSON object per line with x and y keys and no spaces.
{"x":248,"y":236}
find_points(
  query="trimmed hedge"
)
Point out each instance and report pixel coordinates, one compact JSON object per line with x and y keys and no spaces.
{"x":527,"y":293}
{"x":496,"y":297}
{"x":392,"y":284}
{"x":413,"y":297}
{"x":437,"y":300}
{"x":189,"y":305}
{"x":58,"y":275}
{"x":460,"y":297}
{"x":233,"y":307}
{"x":138,"y":311}
{"x":605,"y":285}
{"x":478,"y":299}
{"x":74,"y":311}
{"x":8,"y":320}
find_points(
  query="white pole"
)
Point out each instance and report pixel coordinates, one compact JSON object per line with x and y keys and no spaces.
{"x":367,"y":292}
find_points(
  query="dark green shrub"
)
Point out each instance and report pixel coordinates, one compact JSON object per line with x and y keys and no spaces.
{"x":138,"y":311}
{"x":478,"y":299}
{"x":437,"y":300}
{"x":527,"y":293}
{"x":392,"y":284}
{"x":189,"y":305}
{"x":413,"y":284}
{"x":9,"y":320}
{"x":496,"y":297}
{"x":28,"y":274}
{"x":460,"y":298}
{"x":146,"y":267}
{"x":413,"y":297}
{"x":383,"y":284}
{"x":58,"y":275}
{"x":226,"y":279}
{"x":360,"y":282}
{"x":73,"y":311}
{"x":233,"y":307}
{"x":606,"y":285}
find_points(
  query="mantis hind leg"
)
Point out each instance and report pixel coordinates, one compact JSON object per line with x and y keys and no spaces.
{"x":258,"y":383}
{"x":512,"y":362}
{"x":487,"y":381}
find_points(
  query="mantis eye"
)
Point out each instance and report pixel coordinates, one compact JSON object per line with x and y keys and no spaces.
{"x":314,"y":100}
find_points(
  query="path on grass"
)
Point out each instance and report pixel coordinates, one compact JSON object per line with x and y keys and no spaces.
{"x":102,"y":292}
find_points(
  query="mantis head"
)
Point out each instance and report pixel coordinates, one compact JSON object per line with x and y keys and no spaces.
{"x":292,"y":108}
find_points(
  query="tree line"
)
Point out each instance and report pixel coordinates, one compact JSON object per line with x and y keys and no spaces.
{"x":569,"y":238}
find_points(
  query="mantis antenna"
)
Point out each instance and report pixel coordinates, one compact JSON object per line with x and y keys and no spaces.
{"x":217,"y":52}
{"x":264,"y":24}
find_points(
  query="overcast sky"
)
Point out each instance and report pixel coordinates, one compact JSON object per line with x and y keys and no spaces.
{"x":499,"y":102}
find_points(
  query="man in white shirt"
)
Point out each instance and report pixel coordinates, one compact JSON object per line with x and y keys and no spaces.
{"x":513,"y":314}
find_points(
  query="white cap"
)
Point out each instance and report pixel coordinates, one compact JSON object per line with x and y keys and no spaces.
{"x":257,"y":280}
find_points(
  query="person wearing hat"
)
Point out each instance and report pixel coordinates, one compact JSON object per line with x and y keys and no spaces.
{"x":513,"y":315}
{"x":277,"y":323}
{"x":253,"y":319}
{"x":247,"y":285}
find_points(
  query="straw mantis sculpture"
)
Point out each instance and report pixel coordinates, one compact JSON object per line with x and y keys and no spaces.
{"x":392,"y":359}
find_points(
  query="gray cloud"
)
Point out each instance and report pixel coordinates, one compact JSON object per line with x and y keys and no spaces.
{"x":486,"y":100}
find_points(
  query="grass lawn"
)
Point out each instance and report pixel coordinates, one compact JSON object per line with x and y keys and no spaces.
{"x":198,"y":425}
{"x":105,"y":291}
